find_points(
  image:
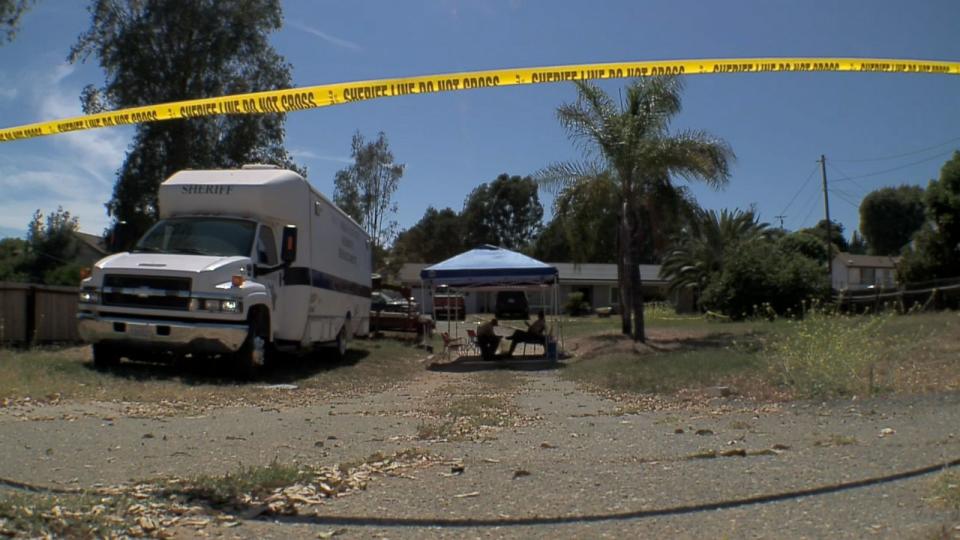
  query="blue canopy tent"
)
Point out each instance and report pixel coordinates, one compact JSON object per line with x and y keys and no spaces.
{"x":492,"y":268}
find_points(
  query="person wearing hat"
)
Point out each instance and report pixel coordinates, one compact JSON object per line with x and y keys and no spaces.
{"x":487,"y":339}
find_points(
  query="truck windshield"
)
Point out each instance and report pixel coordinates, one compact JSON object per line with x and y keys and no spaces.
{"x":199,"y":236}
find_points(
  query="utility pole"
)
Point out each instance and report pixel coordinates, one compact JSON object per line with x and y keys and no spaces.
{"x":781,"y":220}
{"x":826,"y":211}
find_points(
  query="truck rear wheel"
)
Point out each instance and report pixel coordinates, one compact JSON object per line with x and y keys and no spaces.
{"x":105,"y":356}
{"x":341,"y":343}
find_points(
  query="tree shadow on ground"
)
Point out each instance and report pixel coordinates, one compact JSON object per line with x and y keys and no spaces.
{"x":471,"y":364}
{"x":286,"y":369}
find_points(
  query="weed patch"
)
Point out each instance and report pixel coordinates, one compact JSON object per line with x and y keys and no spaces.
{"x":827,"y":356}
{"x":945,"y":490}
{"x":66,"y":516}
{"x":231,"y":487}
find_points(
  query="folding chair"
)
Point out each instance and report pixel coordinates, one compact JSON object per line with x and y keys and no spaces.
{"x":450,"y":344}
{"x":541,"y":340}
{"x":472,"y":343}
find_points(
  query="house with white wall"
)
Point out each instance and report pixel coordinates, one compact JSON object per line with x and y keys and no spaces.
{"x":597,"y":282}
{"x":857,"y":272}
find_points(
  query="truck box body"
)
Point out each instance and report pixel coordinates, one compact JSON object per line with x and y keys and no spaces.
{"x":217,"y":227}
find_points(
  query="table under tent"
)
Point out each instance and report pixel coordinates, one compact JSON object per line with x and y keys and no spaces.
{"x":491,"y":268}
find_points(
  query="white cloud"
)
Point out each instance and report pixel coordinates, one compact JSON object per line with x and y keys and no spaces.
{"x":74,"y":170}
{"x":307,"y":154}
{"x":333,"y":40}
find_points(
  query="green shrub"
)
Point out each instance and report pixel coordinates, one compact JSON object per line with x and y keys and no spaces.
{"x":575,"y":304}
{"x":828,"y":355}
{"x":758,"y":277}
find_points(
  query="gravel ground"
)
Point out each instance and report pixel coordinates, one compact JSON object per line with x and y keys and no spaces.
{"x":564,"y":462}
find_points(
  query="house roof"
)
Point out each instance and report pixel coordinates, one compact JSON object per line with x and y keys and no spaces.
{"x":600,"y":273}
{"x":94,"y":241}
{"x":866,"y":261}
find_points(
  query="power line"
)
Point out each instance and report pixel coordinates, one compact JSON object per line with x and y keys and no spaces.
{"x":844,"y":198}
{"x":805,"y":182}
{"x":931,"y":158}
{"x":895,"y":156}
{"x":845,"y":175}
{"x":811,"y":203}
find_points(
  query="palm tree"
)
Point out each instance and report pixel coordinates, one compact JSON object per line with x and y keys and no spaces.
{"x":632,"y":143}
{"x":700,"y":248}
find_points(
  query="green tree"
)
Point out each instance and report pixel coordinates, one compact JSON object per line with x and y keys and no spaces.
{"x":52,"y":248}
{"x":890,"y":216}
{"x":506,"y":213}
{"x":759,"y":275}
{"x":701,"y":248}
{"x":858,"y":245}
{"x":837,"y":240}
{"x":436,"y":237}
{"x":630,"y":140}
{"x":935,"y":253}
{"x":804,"y":244}
{"x":10,"y":13}
{"x":13,"y":257}
{"x":584,"y":225}
{"x":364,"y":190}
{"x":552,"y":244}
{"x":156,"y":51}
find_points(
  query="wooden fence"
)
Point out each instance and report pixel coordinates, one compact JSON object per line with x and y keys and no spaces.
{"x":929,"y":295}
{"x":37,"y":314}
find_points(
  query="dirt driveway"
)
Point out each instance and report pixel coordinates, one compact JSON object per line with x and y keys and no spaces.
{"x":520,"y":452}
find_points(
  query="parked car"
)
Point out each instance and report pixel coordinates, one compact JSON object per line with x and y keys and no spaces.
{"x":392,"y":311}
{"x":389,"y":300}
{"x":512,"y":305}
{"x":449,"y":306}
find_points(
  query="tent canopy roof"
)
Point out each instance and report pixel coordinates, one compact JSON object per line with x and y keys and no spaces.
{"x":488,"y":266}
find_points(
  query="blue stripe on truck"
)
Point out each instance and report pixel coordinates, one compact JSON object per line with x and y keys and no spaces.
{"x":301,"y":275}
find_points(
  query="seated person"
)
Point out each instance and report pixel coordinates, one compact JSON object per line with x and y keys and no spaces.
{"x":533,"y":333}
{"x":487,"y":339}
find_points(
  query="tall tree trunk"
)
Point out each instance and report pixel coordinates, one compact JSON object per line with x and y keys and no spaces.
{"x":623,"y":263}
{"x":636,"y":283}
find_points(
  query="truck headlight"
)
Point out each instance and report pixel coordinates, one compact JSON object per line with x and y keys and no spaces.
{"x":216,"y":305}
{"x":89,"y":297}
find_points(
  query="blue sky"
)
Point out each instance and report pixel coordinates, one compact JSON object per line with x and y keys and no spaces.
{"x":778,"y":124}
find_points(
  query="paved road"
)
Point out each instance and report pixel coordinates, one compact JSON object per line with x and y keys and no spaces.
{"x":564,"y":462}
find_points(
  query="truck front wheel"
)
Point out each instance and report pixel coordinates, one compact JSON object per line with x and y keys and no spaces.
{"x":252,"y":354}
{"x":105,"y":356}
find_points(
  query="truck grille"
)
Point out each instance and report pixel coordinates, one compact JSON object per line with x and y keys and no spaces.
{"x":159,"y":292}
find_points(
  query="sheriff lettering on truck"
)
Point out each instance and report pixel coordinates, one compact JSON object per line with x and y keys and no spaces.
{"x":243,"y":263}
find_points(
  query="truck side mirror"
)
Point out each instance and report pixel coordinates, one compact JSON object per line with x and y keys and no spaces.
{"x":288,"y":249}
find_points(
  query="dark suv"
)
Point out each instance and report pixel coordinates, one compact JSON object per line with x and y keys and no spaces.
{"x":512,"y":305}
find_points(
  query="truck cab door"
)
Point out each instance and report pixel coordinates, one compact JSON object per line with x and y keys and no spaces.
{"x":265,"y":254}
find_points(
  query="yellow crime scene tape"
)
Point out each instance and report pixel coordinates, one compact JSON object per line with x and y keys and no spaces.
{"x":312,"y":97}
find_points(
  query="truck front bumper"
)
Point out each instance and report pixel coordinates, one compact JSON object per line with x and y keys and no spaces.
{"x":174,"y":335}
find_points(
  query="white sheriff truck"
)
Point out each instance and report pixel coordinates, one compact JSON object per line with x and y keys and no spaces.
{"x":208,"y":279}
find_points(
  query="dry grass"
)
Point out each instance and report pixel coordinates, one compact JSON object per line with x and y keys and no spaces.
{"x":821,"y":356}
{"x":474,"y":412}
{"x":31,"y":515}
{"x":68,"y":373}
{"x":945,"y":490}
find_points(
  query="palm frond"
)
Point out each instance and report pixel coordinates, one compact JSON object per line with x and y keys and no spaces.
{"x":559,"y":176}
